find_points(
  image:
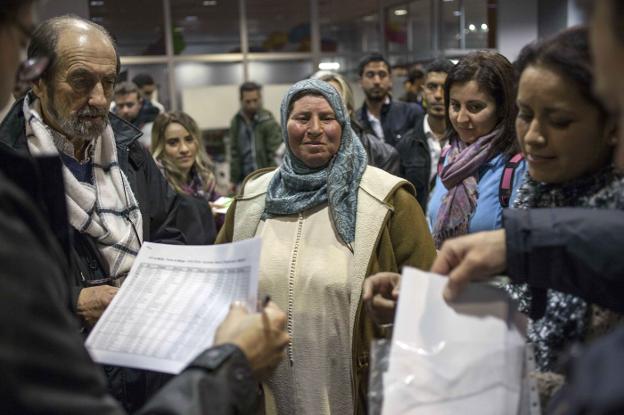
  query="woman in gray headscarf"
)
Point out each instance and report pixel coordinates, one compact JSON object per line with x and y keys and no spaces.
{"x":327,"y":221}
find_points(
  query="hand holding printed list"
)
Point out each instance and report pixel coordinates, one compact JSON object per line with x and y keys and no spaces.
{"x":261,"y":336}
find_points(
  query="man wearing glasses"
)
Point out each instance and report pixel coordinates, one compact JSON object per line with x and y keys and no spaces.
{"x":45,"y":366}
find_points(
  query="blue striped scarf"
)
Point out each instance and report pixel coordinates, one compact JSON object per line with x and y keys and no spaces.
{"x":296,"y":187}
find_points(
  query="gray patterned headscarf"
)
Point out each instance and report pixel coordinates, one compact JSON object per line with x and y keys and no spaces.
{"x":296,"y":187}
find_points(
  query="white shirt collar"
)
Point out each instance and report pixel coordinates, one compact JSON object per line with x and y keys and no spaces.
{"x":428,"y":131}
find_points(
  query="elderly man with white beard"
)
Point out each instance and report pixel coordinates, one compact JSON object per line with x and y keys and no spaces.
{"x":116,"y":196}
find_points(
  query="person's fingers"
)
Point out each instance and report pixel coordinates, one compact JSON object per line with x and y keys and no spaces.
{"x":275,"y":315}
{"x":380,"y":303}
{"x":452,"y":290}
{"x":237,"y":309}
{"x":460,"y":276}
{"x":395,"y":293}
{"x":380,"y":283}
{"x":446,"y":259}
{"x":368,"y":289}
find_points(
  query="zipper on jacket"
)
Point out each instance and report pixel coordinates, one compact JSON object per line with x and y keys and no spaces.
{"x":291,"y":286}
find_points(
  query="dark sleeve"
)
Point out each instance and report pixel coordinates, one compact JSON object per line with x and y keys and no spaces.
{"x":235,"y":171}
{"x":45,"y":367}
{"x":196,"y":220}
{"x":577,"y":251}
{"x":219,"y":381}
{"x":596,"y":381}
{"x":381,"y":154}
{"x":273,"y":137}
{"x":415,"y":168}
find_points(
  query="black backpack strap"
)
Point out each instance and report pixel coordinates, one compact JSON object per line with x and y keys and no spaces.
{"x":505,"y":186}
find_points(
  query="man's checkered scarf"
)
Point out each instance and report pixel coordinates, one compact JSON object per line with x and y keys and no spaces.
{"x":107,"y":209}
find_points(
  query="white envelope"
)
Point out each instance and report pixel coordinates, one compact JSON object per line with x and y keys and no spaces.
{"x":464,"y":358}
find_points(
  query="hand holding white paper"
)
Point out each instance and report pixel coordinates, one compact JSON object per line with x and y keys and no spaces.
{"x":174,"y":299}
{"x":460,"y":358}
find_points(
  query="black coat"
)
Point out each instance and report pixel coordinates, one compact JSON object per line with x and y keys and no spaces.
{"x":596,"y":380}
{"x":415,"y":157}
{"x":45,"y":367}
{"x":572,"y":250}
{"x":397,"y":118}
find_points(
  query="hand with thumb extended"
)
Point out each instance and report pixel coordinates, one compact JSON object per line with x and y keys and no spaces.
{"x":261,"y":336}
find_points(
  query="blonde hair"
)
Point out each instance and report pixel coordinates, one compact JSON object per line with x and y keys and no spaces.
{"x":202,"y":165}
{"x":346,"y":93}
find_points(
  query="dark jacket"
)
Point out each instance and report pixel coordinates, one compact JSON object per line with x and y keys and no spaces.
{"x":45,"y":367}
{"x":380,"y":154}
{"x":397,"y":118}
{"x":572,"y":250}
{"x":147,"y":114}
{"x":167,"y":218}
{"x":416,"y":161}
{"x":267,"y":139}
{"x":596,"y":380}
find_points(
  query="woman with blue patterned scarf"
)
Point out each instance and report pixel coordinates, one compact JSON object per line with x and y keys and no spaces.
{"x":327,"y":221}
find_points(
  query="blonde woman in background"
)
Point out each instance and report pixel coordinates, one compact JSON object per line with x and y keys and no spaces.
{"x":179,"y":151}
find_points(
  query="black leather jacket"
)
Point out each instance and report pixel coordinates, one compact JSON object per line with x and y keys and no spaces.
{"x":380,"y":154}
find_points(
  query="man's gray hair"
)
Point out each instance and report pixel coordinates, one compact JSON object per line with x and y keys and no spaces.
{"x":45,"y":39}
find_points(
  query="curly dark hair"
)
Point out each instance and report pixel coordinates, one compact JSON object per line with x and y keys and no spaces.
{"x":494,"y":75}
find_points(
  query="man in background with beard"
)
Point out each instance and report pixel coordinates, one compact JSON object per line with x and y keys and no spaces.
{"x":388,"y":119}
{"x":116,"y":196}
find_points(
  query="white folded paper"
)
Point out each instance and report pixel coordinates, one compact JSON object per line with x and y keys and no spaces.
{"x":170,"y":305}
{"x":463,"y":358}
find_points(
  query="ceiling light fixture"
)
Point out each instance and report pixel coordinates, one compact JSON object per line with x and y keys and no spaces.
{"x":329,"y":66}
{"x":400,"y":12}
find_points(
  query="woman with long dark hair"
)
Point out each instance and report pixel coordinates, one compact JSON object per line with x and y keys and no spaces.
{"x":480,"y":110}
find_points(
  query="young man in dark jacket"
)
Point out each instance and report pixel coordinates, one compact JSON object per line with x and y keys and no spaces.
{"x":389,"y":119}
{"x":420,"y":148}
